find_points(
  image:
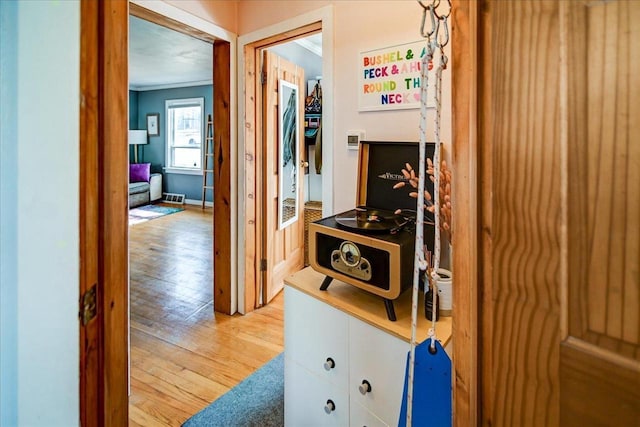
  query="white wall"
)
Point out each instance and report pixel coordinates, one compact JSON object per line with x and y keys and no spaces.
{"x":362,"y":26}
{"x":45,"y":94}
{"x":8,"y":215}
{"x":358,"y":26}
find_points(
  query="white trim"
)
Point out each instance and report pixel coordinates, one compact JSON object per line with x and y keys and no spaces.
{"x":197,"y":203}
{"x":171,"y":85}
{"x":210,"y":28}
{"x":325,"y":16}
{"x":169,"y":141}
{"x":309,"y":46}
{"x":193,"y":21}
{"x":182,"y":171}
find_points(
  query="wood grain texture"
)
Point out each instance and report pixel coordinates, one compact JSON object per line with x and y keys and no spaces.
{"x":91,"y":404}
{"x":485,"y":218}
{"x":251,"y":250}
{"x":222,"y":149}
{"x":612,"y":176}
{"x":143,"y":13}
{"x":113,"y":230}
{"x":464,"y":74}
{"x":283,"y":249}
{"x":368,"y":307}
{"x":253,"y":221}
{"x":222,"y":175}
{"x":183,"y":354}
{"x":600,"y":357}
{"x":522,"y":334}
{"x":597,"y":392}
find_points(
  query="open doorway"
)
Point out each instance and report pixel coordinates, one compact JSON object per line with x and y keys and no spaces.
{"x":170,"y":220}
{"x":272,"y":250}
{"x":293,"y":68}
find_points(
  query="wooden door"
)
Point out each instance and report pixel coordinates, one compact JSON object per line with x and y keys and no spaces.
{"x":103,"y":212}
{"x":559,"y":194}
{"x":282,"y":249}
{"x":600,"y":351}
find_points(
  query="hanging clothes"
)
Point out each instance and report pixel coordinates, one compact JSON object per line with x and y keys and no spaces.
{"x":318,"y":153}
{"x":313,"y":105}
{"x":289,"y":125}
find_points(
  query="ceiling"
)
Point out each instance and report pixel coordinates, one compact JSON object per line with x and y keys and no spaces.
{"x":160,"y":58}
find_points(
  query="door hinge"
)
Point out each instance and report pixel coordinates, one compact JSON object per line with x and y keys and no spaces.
{"x":263,"y":265}
{"x":88,"y":305}
{"x":263,"y":77}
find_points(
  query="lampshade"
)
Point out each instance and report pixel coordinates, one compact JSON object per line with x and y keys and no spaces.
{"x":138,"y":137}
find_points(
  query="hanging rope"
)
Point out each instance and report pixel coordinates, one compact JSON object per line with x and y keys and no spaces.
{"x":420,"y":263}
{"x":436,"y":171}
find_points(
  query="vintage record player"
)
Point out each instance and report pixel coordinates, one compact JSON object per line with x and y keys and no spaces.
{"x":371,"y":246}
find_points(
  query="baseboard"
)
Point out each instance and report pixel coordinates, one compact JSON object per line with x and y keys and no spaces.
{"x":197,"y":202}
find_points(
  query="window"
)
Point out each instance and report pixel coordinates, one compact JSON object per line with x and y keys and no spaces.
{"x":185,"y":128}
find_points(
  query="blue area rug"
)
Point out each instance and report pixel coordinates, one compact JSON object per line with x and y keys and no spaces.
{"x":147,"y":212}
{"x":256,"y":401}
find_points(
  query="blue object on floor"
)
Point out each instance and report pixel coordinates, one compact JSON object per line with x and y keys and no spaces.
{"x":256,"y":401}
{"x":431,"y":388}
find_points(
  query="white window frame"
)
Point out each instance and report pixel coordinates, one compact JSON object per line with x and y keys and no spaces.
{"x":176,"y":103}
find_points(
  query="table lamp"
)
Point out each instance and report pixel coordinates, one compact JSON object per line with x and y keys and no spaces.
{"x":137,"y":137}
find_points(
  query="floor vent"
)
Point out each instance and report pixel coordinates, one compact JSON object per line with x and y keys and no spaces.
{"x":177,"y":199}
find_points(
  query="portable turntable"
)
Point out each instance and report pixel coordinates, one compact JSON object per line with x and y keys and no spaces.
{"x":372,"y":247}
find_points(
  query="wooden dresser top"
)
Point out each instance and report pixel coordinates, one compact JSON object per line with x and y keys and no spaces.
{"x":370,"y":308}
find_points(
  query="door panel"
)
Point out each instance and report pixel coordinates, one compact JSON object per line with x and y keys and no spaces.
{"x":560,"y":177}
{"x":600,"y":359}
{"x":282,"y":249}
{"x":521,"y":311}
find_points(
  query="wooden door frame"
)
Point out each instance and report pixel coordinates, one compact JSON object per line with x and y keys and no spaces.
{"x":249,"y":136}
{"x":104,"y":231}
{"x":254,"y":184}
{"x":268,"y":236}
{"x":224,"y":283}
{"x":468,"y":236}
{"x":103,"y":379}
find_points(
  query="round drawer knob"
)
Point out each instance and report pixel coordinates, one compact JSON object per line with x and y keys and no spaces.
{"x":365,"y":387}
{"x":329,"y":364}
{"x":329,"y":407}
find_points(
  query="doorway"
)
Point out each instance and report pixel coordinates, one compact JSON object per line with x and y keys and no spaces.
{"x":170,"y":244}
{"x":290,"y":92}
{"x":104,"y":195}
{"x":254,"y":150}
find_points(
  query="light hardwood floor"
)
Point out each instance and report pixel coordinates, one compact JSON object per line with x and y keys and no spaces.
{"x":183,"y":356}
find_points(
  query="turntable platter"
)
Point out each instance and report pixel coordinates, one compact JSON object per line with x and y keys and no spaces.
{"x":370,"y":220}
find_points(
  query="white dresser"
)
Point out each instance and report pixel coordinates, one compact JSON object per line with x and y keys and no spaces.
{"x":344,"y":360}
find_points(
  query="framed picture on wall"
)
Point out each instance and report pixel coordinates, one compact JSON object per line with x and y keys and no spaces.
{"x":153,"y":124}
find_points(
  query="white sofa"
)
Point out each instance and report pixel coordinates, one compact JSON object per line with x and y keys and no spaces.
{"x":142,"y":193}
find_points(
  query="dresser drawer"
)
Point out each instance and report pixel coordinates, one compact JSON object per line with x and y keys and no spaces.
{"x":359,"y":416}
{"x":316,"y":337}
{"x":379,"y":359}
{"x":306,"y":395}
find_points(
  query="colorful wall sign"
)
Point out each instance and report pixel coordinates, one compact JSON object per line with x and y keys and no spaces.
{"x":390,"y":77}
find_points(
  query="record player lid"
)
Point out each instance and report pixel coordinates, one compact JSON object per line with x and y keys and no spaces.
{"x":380,"y":165}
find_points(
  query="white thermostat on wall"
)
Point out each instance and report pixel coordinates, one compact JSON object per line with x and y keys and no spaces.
{"x":353,"y":138}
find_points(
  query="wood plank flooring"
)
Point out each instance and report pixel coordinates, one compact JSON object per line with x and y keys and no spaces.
{"x":183,"y":356}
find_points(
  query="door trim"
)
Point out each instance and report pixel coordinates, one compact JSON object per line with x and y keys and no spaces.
{"x":249,"y":239}
{"x":467,"y":235}
{"x":103,"y":367}
{"x":225,"y":195}
{"x":103,"y":231}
